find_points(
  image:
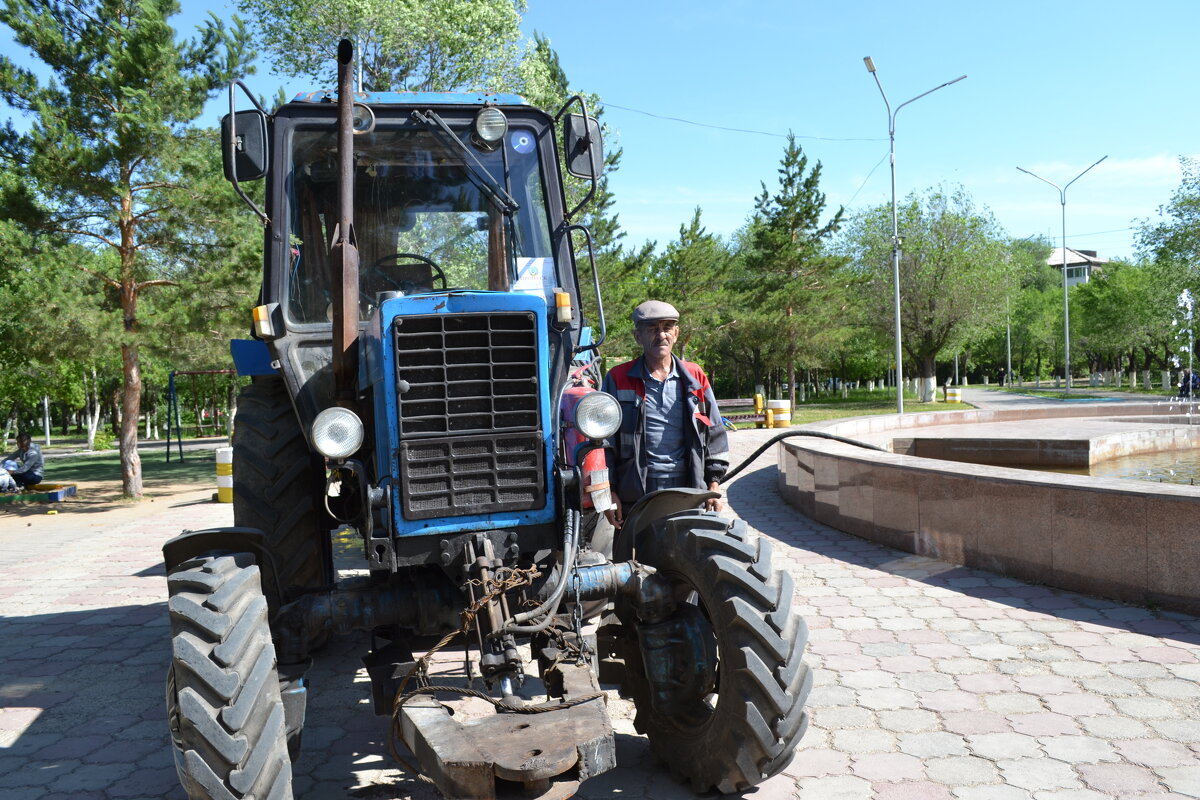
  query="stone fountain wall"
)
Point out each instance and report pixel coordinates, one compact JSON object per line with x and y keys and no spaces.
{"x":1129,"y":540}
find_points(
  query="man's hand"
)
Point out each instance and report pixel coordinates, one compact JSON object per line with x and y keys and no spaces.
{"x":716,"y":503}
{"x":614,"y":517}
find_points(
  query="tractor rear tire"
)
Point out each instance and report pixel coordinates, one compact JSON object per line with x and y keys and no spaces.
{"x":223,"y":705}
{"x":277,"y":485}
{"x":747,"y":727}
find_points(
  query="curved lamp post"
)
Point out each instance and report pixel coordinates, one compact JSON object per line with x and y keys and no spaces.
{"x":1062,"y":198}
{"x":895,"y":227}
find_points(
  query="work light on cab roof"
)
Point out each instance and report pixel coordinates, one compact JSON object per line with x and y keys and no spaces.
{"x":489,"y":126}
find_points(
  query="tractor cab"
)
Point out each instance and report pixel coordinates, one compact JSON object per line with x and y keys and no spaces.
{"x":451,"y":193}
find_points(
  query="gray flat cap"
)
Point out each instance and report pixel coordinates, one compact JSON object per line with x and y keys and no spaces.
{"x":654,"y":310}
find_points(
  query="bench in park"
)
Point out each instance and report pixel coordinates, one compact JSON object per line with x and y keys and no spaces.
{"x":40,"y":493}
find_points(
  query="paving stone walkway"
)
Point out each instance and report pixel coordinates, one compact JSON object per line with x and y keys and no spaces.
{"x":932,"y":681}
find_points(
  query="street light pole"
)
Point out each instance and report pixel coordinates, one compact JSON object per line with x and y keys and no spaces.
{"x":895,"y":225}
{"x":1062,"y":198}
{"x":1007,"y":344}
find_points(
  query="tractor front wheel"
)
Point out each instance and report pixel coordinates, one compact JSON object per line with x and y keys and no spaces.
{"x":720,"y":685}
{"x":224,"y":709}
{"x":278,"y":484}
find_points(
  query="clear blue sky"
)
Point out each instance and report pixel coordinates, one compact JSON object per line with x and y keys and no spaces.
{"x":1052,"y":86}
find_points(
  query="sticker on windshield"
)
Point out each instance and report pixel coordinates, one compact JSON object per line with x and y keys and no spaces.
{"x":535,"y":276}
{"x":521,"y":141}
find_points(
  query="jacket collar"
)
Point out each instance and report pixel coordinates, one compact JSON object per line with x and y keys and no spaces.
{"x":638,"y":370}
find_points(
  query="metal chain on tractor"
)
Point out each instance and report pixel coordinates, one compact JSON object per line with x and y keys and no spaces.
{"x":513,"y":578}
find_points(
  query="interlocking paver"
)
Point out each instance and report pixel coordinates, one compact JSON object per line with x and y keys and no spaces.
{"x":1184,"y":780}
{"x":934,"y":682}
{"x":957,"y":771}
{"x":1156,"y":753}
{"x":1003,"y":745}
{"x":1038,"y":773}
{"x":889,"y":767}
{"x":1121,"y":779}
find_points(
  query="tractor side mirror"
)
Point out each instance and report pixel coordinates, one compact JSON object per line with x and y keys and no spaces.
{"x":244,"y":145}
{"x":583,"y":146}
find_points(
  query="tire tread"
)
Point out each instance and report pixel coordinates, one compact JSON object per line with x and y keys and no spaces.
{"x":764,"y":683}
{"x":223,"y":696}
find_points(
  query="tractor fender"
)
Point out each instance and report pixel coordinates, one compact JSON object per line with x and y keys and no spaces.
{"x":210,"y":541}
{"x":650,"y":508}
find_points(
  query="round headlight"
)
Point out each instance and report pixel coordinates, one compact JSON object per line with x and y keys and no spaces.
{"x":490,"y":126}
{"x":598,"y":415}
{"x":337,"y":432}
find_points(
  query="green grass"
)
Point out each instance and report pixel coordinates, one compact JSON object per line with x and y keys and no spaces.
{"x":106,"y":466}
{"x":859,"y":403}
{"x":1095,"y":392}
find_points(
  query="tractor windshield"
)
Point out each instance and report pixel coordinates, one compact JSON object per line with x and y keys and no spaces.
{"x":423,"y":219}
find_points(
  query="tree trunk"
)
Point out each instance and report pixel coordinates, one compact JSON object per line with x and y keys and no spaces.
{"x":791,"y":361}
{"x":9,"y":421}
{"x":928,"y":381}
{"x":92,"y":413}
{"x":231,"y":405}
{"x":131,"y":462}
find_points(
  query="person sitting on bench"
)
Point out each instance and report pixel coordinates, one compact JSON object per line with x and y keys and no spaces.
{"x":28,"y":457}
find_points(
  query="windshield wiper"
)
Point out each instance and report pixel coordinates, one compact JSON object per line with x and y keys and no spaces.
{"x":487,"y":184}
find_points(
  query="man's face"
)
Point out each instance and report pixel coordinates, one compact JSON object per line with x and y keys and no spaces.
{"x":657,"y":337}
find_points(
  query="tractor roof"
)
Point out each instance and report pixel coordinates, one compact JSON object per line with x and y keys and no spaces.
{"x":418,"y":98}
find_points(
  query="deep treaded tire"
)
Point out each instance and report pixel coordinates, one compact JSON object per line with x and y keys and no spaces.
{"x":277,"y":487}
{"x":746,"y":730}
{"x":223,"y":703}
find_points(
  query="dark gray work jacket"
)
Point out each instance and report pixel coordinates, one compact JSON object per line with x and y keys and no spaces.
{"x":707,"y":444}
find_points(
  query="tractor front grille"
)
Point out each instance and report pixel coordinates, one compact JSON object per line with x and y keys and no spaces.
{"x":468,"y":373}
{"x":471,"y":475}
{"x":469,"y":414}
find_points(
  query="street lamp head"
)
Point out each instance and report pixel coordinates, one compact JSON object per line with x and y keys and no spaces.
{"x":870,"y":64}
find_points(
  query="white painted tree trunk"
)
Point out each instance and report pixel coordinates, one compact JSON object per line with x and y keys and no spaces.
{"x":927,"y":388}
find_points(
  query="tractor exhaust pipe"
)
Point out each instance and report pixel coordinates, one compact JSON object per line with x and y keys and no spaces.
{"x":343,"y":252}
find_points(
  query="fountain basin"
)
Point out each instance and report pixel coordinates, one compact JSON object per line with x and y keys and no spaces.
{"x":1133,"y":541}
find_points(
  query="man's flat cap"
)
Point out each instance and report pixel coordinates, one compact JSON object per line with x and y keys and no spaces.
{"x":654,"y":310}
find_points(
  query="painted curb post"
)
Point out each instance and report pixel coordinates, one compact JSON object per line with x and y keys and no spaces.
{"x":224,"y":474}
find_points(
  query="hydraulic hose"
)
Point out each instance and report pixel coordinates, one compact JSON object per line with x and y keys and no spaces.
{"x":550,"y":607}
{"x":787,"y":435}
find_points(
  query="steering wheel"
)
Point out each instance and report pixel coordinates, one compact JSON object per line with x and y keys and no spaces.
{"x":400,"y":285}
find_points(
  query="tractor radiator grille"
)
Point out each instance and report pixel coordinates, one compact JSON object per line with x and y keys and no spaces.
{"x":471,"y":475}
{"x":471,"y":373}
{"x":470,"y":421}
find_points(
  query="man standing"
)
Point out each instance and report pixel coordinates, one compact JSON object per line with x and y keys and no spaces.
{"x":671,"y":434}
{"x":29,"y":461}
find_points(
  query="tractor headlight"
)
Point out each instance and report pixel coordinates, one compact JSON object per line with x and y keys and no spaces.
{"x":598,"y":415}
{"x":489,"y":127}
{"x":337,"y":432}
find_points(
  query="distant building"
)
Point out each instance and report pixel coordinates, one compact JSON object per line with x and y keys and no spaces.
{"x":1080,"y":264}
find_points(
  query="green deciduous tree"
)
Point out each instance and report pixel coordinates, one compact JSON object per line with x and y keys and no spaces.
{"x":403,"y":45}
{"x":108,"y":154}
{"x":955,"y":272}
{"x":1175,"y":235}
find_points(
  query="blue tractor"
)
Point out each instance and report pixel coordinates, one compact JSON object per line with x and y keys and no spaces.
{"x":424,"y":383}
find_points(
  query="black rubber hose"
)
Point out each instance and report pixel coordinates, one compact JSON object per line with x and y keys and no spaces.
{"x":787,"y":435}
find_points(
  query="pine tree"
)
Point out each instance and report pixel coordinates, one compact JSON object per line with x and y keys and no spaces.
{"x":789,"y":277}
{"x":107,"y":151}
